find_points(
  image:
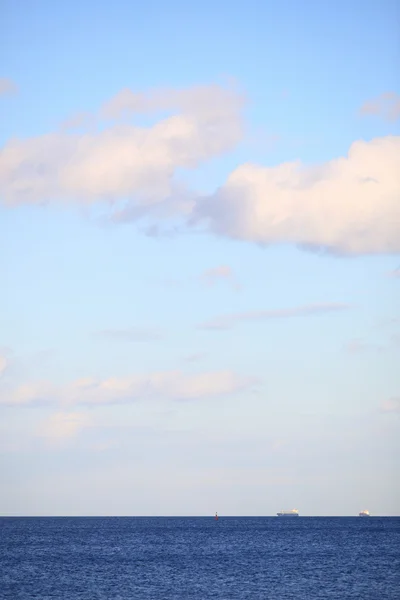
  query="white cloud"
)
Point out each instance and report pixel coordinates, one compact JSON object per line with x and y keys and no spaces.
{"x":7,"y":86}
{"x":122,"y":160}
{"x":228,"y":321}
{"x":386,"y":105}
{"x":171,"y":385}
{"x":63,"y":425}
{"x":348,"y":205}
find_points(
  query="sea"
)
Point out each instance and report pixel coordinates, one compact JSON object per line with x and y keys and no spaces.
{"x":135,"y":558}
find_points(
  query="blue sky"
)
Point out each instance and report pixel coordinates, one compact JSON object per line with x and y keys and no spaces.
{"x":200,"y":282}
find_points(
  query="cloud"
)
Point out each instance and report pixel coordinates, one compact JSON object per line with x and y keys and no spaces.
{"x":228,"y":321}
{"x":63,"y":425}
{"x":122,"y":160}
{"x":80,"y":120}
{"x":386,"y":105}
{"x":35,"y":393}
{"x":395,"y":274}
{"x":222,"y":273}
{"x":128,"y":157}
{"x":395,"y":339}
{"x":3,"y":364}
{"x":349,"y":205}
{"x":196,"y":356}
{"x":170,"y":385}
{"x":388,"y":322}
{"x":358,"y":346}
{"x":132,"y":334}
{"x":7,"y":86}
{"x":391,"y":405}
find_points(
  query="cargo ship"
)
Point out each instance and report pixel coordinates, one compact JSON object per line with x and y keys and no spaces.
{"x":288,"y":513}
{"x":364,"y":513}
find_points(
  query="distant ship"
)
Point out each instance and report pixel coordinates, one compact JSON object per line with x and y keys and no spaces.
{"x":288,"y":513}
{"x":364,"y":513}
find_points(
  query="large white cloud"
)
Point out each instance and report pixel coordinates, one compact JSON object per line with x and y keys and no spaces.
{"x":348,"y":205}
{"x":120,"y":159}
{"x":172,"y":385}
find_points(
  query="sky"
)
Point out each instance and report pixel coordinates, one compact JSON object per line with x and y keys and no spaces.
{"x":199,"y":258}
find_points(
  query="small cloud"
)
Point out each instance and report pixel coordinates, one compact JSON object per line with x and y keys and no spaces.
{"x":104,"y":446}
{"x":395,"y":339}
{"x":3,"y":364}
{"x":80,"y":120}
{"x":392,"y":405}
{"x":7,"y":87}
{"x":132,"y":334}
{"x":222,"y":273}
{"x":158,"y":232}
{"x":387,"y":105}
{"x":395,"y":274}
{"x":195,"y":357}
{"x":171,"y":283}
{"x":355,"y":346}
{"x":278,"y":445}
{"x":228,"y":321}
{"x":64,"y":425}
{"x":388,"y":322}
{"x":358,"y":346}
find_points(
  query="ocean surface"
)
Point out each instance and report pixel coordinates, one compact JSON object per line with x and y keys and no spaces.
{"x":160,"y":558}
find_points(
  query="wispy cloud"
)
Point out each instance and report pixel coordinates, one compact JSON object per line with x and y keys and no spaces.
{"x":194,"y":357}
{"x":221,"y":273}
{"x":80,"y":120}
{"x":388,"y":322}
{"x":3,"y":364}
{"x":7,"y":86}
{"x":170,"y":385}
{"x":395,"y":339}
{"x":395,"y":273}
{"x":63,"y":425}
{"x":228,"y":321}
{"x":359,"y":346}
{"x":131,"y":334}
{"x":387,"y":105}
{"x":391,"y":406}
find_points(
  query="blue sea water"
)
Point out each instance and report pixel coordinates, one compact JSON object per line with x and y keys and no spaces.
{"x":118,"y":558}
